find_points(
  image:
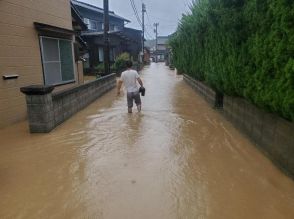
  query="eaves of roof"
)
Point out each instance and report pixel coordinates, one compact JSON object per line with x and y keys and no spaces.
{"x":120,"y":34}
{"x":78,"y":17}
{"x":97,"y":9}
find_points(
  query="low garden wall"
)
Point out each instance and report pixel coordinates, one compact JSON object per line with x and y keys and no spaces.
{"x":46,"y":110}
{"x":271,"y":133}
{"x":214,"y":98}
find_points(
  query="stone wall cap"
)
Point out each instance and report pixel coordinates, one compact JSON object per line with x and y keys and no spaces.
{"x":37,"y":89}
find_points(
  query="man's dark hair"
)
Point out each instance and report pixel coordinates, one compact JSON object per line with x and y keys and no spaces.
{"x":129,"y":64}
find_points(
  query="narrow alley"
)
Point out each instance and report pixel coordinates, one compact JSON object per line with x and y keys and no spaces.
{"x":179,"y":158}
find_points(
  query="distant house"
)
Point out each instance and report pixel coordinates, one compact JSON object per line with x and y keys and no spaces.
{"x":122,"y":39}
{"x":162,"y":43}
{"x":162,"y":48}
{"x":37,"y":41}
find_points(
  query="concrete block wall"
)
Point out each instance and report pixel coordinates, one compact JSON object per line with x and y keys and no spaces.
{"x":47,"y":110}
{"x":214,"y":98}
{"x":271,"y":133}
{"x":40,"y":112}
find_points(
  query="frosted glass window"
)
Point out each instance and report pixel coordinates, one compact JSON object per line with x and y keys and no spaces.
{"x":57,"y":58}
{"x":66,"y":59}
{"x":51,"y":51}
{"x":54,"y":69}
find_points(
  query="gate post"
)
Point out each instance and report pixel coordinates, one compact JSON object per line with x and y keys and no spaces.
{"x":40,"y":108}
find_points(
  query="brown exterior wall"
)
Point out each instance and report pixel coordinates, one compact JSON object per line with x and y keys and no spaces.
{"x":20,"y":50}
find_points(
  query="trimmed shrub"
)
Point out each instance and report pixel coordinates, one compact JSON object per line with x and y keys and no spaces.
{"x":241,"y":48}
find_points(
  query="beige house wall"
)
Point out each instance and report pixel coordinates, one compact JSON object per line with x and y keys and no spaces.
{"x":20,"y":49}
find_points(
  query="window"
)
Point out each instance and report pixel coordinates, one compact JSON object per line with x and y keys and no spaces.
{"x":101,"y":54}
{"x":111,"y":54}
{"x":93,"y":25}
{"x":87,"y":21}
{"x":113,"y":27}
{"x":57,"y":60}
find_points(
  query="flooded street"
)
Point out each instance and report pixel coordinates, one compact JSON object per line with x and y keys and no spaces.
{"x":177,"y":159}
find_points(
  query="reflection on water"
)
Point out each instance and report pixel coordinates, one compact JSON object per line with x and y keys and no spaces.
{"x":177,"y":159}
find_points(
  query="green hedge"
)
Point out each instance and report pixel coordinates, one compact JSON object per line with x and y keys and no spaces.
{"x":242,"y":48}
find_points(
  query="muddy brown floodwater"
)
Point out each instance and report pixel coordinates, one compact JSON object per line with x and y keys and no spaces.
{"x":177,"y":159}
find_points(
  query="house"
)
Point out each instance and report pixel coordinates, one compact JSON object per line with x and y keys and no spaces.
{"x":37,"y":47}
{"x":160,"y":52}
{"x":162,"y":45}
{"x":122,"y":39}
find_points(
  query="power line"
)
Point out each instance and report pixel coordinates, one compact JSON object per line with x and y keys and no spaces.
{"x":148,"y":18}
{"x":149,"y":24}
{"x":136,"y":12}
{"x":139,"y":20}
{"x":148,"y":34}
{"x":149,"y":21}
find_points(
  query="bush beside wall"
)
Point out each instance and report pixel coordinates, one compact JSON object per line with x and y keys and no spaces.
{"x":241,"y":48}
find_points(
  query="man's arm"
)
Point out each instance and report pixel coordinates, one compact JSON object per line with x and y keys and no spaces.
{"x":140,"y":82}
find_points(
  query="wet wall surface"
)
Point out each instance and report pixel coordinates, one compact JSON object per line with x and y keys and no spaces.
{"x":177,"y":159}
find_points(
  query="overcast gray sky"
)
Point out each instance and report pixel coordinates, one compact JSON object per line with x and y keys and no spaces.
{"x":166,"y":12}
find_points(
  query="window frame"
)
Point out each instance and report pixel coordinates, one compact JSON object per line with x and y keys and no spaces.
{"x":59,"y":56}
{"x":87,"y":21}
{"x":92,"y":25}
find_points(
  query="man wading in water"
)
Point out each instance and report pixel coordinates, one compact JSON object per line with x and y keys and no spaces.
{"x":129,"y":78}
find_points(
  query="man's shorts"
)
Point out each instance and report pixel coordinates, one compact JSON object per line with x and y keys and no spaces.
{"x":133,"y":96}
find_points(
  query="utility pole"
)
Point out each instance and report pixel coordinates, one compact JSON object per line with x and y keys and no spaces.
{"x":156,"y":39}
{"x":143,"y":30}
{"x":106,"y":37}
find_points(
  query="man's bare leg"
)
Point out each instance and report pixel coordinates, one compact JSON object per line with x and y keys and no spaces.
{"x":139,"y":107}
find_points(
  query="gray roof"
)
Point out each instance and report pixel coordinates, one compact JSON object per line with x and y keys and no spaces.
{"x":162,"y":40}
{"x":97,"y":9}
